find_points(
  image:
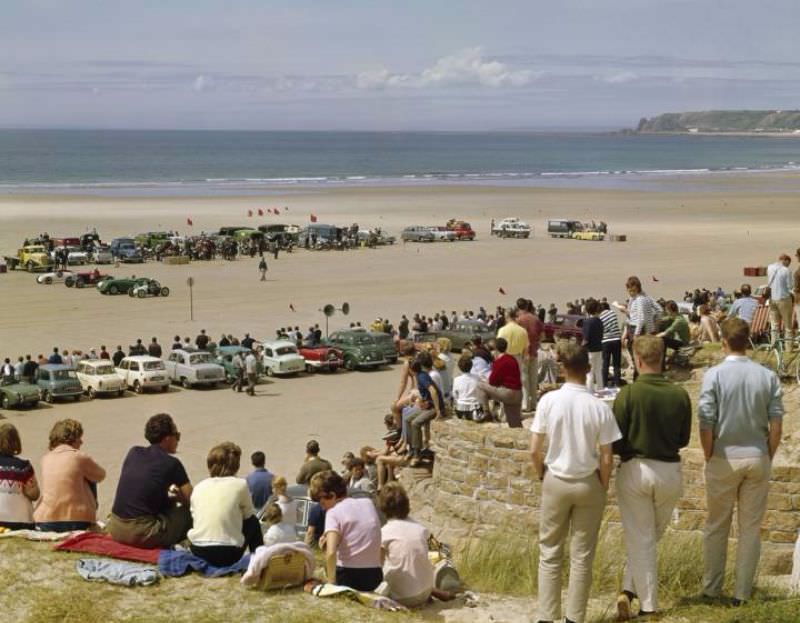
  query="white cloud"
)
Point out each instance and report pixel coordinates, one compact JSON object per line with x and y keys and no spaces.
{"x":203,"y":83}
{"x":619,"y":78}
{"x":467,"y":67}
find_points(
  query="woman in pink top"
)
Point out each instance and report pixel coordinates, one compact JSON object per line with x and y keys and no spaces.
{"x":69,"y":482}
{"x":352,"y":538}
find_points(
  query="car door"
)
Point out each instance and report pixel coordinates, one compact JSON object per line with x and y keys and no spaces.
{"x":170,"y":364}
{"x":134,"y":371}
{"x":269,"y":358}
{"x":182,"y":367}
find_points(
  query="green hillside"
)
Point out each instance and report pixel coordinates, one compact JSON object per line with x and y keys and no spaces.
{"x":724,"y":121}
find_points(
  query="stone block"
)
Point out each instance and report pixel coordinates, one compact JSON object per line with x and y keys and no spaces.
{"x":776,"y":560}
{"x":782,"y":521}
{"x":777,"y":536}
{"x":502,"y":441}
{"x":779,"y":502}
{"x":695,"y":504}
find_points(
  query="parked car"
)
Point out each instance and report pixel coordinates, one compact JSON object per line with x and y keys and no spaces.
{"x":18,"y":394}
{"x":562,"y":228}
{"x":465,"y":331}
{"x":417,"y":233}
{"x":442,"y":234}
{"x":119,"y":285}
{"x":194,"y":368}
{"x":386,"y":346}
{"x":359,"y":347}
{"x":101,"y":254}
{"x":98,"y":376}
{"x":322,"y":358}
{"x":125,"y":250}
{"x":56,"y":276}
{"x":565,"y":326}
{"x":281,"y":357}
{"x":141,"y":372}
{"x":151,"y":239}
{"x":75,"y":255}
{"x":511,"y":227}
{"x":85,"y":278}
{"x":148,"y":287}
{"x":32,"y":258}
{"x":588,"y":234}
{"x":225,"y":355}
{"x":462,"y":229}
{"x":56,"y":381}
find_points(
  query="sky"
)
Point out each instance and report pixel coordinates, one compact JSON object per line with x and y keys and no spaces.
{"x":441,"y":65}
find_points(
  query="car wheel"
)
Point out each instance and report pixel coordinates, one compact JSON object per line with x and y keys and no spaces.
{"x":30,"y":266}
{"x":141,"y":293}
{"x":113,"y":289}
{"x":164,"y":291}
{"x":6,"y":402}
{"x":79,"y":282}
{"x":309,"y":368}
{"x":69,"y":282}
{"x":121,"y":392}
{"x":48,"y":397}
{"x":350,"y":363}
{"x":185,"y":383}
{"x":269,"y":372}
{"x":48,"y":280}
{"x":91,"y":393}
{"x":164,"y":388}
{"x":77,"y":397}
{"x":137,"y":387}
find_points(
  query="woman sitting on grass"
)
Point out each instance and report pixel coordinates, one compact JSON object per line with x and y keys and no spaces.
{"x":18,"y":487}
{"x":69,"y":482}
{"x":279,"y":531}
{"x":352,"y":538}
{"x":222,"y":511}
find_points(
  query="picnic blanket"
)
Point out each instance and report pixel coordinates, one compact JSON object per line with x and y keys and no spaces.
{"x":260,"y":559}
{"x":371,"y":600}
{"x":118,"y":572}
{"x":37,"y":535}
{"x":175,"y":563}
{"x":104,"y":545}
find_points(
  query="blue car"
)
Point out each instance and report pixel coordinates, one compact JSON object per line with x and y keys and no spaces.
{"x":58,"y":381}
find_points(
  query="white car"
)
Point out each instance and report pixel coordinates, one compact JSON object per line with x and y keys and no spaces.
{"x":511,"y":227}
{"x":141,"y":372}
{"x":442,"y":234}
{"x":75,"y":255}
{"x":98,"y":376}
{"x":102,"y":255}
{"x":151,"y":288}
{"x":281,"y":357}
{"x":194,"y":368}
{"x":56,"y":276}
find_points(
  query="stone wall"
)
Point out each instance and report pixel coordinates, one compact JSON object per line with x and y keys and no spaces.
{"x":483,"y":482}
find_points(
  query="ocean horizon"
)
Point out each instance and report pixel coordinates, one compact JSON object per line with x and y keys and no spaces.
{"x":211,"y":162}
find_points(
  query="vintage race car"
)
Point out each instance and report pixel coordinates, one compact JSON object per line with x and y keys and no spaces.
{"x":86,"y":278}
{"x":281,"y":357}
{"x":194,"y":368}
{"x":322,"y":358}
{"x":148,"y":287}
{"x":56,"y":276}
{"x":117,"y":285}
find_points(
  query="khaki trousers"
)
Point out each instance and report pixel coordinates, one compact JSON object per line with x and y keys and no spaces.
{"x":570,"y":509}
{"x":780,"y":313}
{"x":647,"y":491}
{"x":529,"y":375}
{"x":743,"y":483}
{"x":511,"y":400}
{"x":596,"y":361}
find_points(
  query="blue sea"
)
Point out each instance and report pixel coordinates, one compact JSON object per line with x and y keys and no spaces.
{"x":234,"y":163}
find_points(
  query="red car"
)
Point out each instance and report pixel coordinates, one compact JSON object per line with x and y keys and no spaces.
{"x":566,"y":326}
{"x":322,"y":358}
{"x":87,"y":278}
{"x":462,"y":229}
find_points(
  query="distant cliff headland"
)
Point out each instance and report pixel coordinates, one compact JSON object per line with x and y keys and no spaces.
{"x":742,"y":122}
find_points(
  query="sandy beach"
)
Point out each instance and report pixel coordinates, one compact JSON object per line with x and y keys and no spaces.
{"x":683,"y":240}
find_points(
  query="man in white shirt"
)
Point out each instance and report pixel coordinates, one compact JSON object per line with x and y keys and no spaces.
{"x":467,"y":395}
{"x":575,"y":474}
{"x":781,"y":284}
{"x":251,"y":368}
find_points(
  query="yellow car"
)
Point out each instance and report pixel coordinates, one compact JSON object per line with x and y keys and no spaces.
{"x":34,"y":257}
{"x":587,"y":235}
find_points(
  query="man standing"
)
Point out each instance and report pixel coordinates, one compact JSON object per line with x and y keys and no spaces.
{"x":201,"y":341}
{"x":781,"y":284}
{"x":612,"y":344}
{"x":740,"y":412}
{"x":251,"y":369}
{"x":593,"y":341}
{"x":745,"y":306}
{"x":313,"y":463}
{"x":575,"y":481}
{"x":118,"y":356}
{"x":56,"y":358}
{"x":530,"y":365}
{"x":238,"y":371}
{"x":29,"y":369}
{"x":516,"y":338}
{"x":259,"y":481}
{"x":655,"y":419}
{"x":247,"y":341}
{"x":154,"y":348}
{"x":643,"y":313}
{"x":262,"y":268}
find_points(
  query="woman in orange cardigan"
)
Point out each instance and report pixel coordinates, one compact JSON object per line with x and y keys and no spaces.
{"x":68,"y":482}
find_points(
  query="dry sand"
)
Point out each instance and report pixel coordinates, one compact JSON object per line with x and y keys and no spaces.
{"x":682,"y":239}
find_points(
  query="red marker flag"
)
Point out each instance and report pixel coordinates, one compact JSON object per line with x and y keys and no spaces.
{"x":249,"y":213}
{"x":276,"y":211}
{"x":313,"y":218}
{"x":260,"y":212}
{"x":501,"y":291}
{"x":189,"y":222}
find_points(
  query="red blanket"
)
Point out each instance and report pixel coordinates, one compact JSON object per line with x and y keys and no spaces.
{"x":104,"y":545}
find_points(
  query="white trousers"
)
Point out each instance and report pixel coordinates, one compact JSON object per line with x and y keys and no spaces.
{"x":596,"y":361}
{"x":647,"y":491}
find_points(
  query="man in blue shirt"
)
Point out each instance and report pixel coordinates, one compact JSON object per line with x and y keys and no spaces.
{"x":740,"y":412}
{"x":259,"y":481}
{"x":745,"y":306}
{"x":779,"y":280}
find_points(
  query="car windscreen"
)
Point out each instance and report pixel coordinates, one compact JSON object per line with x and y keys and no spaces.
{"x":103,"y":370}
{"x":363,"y":339}
{"x":384,"y":339}
{"x":153,"y":365}
{"x":286,"y":350}
{"x":201,"y":358}
{"x":63,"y":375}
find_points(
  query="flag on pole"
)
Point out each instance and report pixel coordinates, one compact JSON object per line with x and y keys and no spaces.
{"x":501,"y":291}
{"x":313,"y":218}
{"x":291,"y":307}
{"x":189,"y":222}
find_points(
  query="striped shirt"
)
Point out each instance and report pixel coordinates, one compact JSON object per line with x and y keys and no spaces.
{"x":643,"y":313}
{"x":611,"y":330}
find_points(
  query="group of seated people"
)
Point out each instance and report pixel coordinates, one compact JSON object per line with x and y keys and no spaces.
{"x":156,"y":507}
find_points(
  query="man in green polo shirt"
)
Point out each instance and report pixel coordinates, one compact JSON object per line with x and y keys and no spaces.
{"x":654,"y":417}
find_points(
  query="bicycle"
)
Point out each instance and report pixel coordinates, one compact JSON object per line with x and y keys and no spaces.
{"x":784,"y":362}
